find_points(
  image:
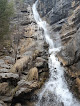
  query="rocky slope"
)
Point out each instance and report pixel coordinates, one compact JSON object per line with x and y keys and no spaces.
{"x":26,"y":69}
{"x":64,"y":19}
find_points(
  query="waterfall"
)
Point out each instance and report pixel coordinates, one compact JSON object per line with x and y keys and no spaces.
{"x":55,"y":92}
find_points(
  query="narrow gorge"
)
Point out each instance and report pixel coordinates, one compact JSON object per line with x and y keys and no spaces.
{"x":40,"y":56}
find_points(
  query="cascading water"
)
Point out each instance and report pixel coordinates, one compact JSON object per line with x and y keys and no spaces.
{"x":55,"y":92}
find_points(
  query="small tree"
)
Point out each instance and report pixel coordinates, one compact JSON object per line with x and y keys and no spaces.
{"x":6,"y":10}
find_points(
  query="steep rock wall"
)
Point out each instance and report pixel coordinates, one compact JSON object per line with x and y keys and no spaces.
{"x":55,"y":10}
{"x":64,"y":19}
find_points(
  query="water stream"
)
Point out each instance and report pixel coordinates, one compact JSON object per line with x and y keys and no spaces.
{"x":55,"y":92}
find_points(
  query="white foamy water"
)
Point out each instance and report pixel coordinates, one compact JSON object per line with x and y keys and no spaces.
{"x":55,"y":91}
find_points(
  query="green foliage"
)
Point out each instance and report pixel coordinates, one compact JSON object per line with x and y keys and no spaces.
{"x":6,"y":10}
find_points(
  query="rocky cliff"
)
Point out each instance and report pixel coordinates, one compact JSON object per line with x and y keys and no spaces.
{"x":64,"y":19}
{"x":25,"y":69}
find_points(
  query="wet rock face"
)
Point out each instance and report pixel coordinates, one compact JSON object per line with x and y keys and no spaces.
{"x":64,"y":19}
